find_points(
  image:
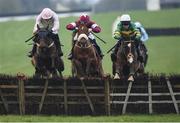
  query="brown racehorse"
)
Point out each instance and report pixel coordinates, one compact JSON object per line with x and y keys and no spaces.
{"x":86,"y":61}
{"x":45,"y":59}
{"x":127,"y":63}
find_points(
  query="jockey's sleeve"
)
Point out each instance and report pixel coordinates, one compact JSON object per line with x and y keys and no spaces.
{"x":144,"y":35}
{"x":71,"y":26}
{"x":38,"y":21}
{"x":136,"y":32}
{"x":95,"y":28}
{"x":117,"y":34}
{"x":55,"y":27}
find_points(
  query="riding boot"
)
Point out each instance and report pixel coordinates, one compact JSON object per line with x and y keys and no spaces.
{"x":146,"y":59}
{"x":99,"y":51}
{"x":97,"y":48}
{"x":32,"y":52}
{"x":145,"y":48}
{"x":114,"y":52}
{"x":57,"y":43}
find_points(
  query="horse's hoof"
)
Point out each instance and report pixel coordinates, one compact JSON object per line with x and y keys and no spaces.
{"x":116,"y":76}
{"x":131,"y":78}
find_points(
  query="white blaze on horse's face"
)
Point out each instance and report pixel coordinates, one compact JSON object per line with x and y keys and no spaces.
{"x":130,"y":60}
{"x":82,"y":36}
{"x":130,"y":55}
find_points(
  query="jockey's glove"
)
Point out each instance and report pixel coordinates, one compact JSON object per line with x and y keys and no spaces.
{"x":89,"y":30}
{"x":117,"y":37}
{"x":137,"y":38}
{"x":51,"y":31}
{"x":120,"y":39}
{"x":75,"y":29}
{"x":34,"y":32}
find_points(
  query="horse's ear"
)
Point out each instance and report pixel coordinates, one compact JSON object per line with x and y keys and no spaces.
{"x":38,"y":27}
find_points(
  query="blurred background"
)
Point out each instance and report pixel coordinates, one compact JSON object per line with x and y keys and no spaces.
{"x":159,"y":17}
{"x":32,"y":7}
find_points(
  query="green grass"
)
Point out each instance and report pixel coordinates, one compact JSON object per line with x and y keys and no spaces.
{"x":163,"y":57}
{"x":122,"y":118}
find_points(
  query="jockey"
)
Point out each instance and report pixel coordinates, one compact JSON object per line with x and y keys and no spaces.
{"x":48,"y":18}
{"x":144,"y":37}
{"x":85,"y":19}
{"x":125,"y":30}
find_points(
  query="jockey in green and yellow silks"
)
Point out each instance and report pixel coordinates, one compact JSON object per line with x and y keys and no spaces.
{"x":126,"y":30}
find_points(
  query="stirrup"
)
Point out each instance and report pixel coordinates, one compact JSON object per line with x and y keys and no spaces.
{"x":30,"y":55}
{"x":101,"y":55}
{"x":60,"y":54}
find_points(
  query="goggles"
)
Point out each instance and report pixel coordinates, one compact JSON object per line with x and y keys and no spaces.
{"x":125,"y":23}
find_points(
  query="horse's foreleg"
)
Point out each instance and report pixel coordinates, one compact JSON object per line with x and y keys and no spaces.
{"x":132,"y":72}
{"x":78,"y":66}
{"x":117,"y":71}
{"x":59,"y":64}
{"x":33,"y":61}
{"x":101,"y":72}
{"x":53,"y":62}
{"x":89,"y":61}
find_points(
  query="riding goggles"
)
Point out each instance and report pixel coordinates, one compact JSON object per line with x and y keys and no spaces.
{"x":125,"y":22}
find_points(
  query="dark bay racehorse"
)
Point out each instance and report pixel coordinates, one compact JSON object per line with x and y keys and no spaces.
{"x":86,"y":61}
{"x":127,"y":63}
{"x":46,"y":60}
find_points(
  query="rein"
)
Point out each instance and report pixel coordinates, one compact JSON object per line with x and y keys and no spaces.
{"x":83,"y":47}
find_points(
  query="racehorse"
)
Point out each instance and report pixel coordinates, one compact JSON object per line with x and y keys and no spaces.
{"x":127,"y":63}
{"x":86,"y":61}
{"x":45,"y":59}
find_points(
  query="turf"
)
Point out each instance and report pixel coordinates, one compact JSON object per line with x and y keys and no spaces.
{"x":122,"y":118}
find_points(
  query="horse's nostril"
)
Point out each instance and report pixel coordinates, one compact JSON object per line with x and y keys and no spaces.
{"x":129,"y":55}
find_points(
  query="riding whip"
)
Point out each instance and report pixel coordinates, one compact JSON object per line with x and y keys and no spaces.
{"x":115,"y":45}
{"x":30,"y":38}
{"x":112,"y":48}
{"x":99,"y":38}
